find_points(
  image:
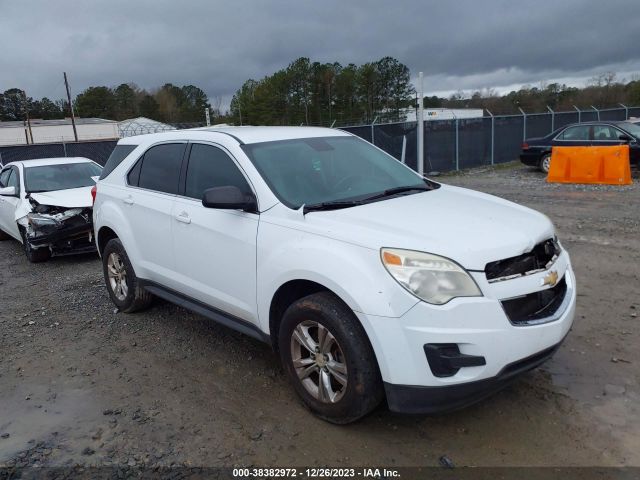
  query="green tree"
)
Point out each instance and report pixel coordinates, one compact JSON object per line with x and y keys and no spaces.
{"x":126,"y":101}
{"x":97,"y":102}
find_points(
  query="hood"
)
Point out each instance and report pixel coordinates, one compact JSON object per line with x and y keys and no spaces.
{"x":469,"y":227}
{"x":71,"y":198}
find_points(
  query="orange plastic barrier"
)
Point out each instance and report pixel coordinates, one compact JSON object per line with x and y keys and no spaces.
{"x":600,"y":165}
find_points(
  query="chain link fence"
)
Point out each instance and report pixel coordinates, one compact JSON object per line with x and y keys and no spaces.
{"x":473,"y":142}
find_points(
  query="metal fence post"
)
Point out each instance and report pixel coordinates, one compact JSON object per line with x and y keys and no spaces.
{"x":332,"y":124}
{"x":524,"y":124}
{"x":64,"y":147}
{"x":597,"y":112}
{"x":493,"y":131}
{"x":626,"y":111}
{"x":420,"y":126}
{"x":373,"y":138}
{"x":553,"y":117}
{"x":457,"y":144}
{"x":579,"y":114}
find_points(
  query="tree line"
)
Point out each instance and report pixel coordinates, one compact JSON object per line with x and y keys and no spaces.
{"x":314,"y":93}
{"x":169,"y":103}
{"x":602,"y":91}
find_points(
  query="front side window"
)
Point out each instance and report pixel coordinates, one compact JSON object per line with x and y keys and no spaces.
{"x":311,"y":171}
{"x":211,"y":167}
{"x":13,"y":180}
{"x":4,"y":177}
{"x":580,"y":132}
{"x":48,"y":178}
{"x":160,"y":168}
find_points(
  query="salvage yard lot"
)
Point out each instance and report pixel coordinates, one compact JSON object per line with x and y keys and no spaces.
{"x":82,"y":383}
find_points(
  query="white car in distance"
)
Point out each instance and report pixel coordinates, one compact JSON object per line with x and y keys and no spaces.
{"x":367,"y":279}
{"x":46,"y":205}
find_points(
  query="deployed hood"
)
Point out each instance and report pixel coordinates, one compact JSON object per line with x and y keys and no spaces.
{"x":74,"y":197}
{"x":468,"y":227}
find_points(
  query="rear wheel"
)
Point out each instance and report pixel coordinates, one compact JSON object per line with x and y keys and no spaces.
{"x":34,"y":255}
{"x":328,"y":358}
{"x":123,"y":285}
{"x":545,"y":163}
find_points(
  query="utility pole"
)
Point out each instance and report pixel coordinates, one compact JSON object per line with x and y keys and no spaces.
{"x":420,"y":125}
{"x":73,"y":120}
{"x":26,"y":113}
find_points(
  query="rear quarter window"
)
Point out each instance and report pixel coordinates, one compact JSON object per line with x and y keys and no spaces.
{"x":117,"y":156}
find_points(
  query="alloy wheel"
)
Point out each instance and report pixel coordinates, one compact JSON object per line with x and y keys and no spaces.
{"x":319,"y":361}
{"x":117,"y":274}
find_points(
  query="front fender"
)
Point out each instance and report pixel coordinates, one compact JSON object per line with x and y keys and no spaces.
{"x":354,"y":273}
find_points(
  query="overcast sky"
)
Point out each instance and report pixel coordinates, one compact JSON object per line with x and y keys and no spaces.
{"x":218,"y":44}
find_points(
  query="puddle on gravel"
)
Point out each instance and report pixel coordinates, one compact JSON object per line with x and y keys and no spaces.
{"x":33,"y":412}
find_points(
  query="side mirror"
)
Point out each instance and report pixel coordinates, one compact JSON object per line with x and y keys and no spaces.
{"x":8,"y":191}
{"x":228,"y":198}
{"x":624,"y":138}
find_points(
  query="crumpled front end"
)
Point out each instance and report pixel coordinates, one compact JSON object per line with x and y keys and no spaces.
{"x":62,"y":230}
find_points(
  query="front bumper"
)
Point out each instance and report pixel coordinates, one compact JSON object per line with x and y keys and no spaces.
{"x":428,"y":400}
{"x":479,"y":328}
{"x":67,"y":239}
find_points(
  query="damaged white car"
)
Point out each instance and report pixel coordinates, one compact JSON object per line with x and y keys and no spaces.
{"x":46,"y":205}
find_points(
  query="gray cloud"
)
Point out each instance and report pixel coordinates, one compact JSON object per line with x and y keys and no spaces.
{"x":463,"y":44}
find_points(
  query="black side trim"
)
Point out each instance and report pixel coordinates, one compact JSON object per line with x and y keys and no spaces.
{"x":205,"y":310}
{"x":431,"y":400}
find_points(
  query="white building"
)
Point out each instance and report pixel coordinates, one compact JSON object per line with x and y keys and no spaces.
{"x":443,"y":114}
{"x":56,"y":131}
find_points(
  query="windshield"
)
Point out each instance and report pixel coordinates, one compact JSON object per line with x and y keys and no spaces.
{"x":47,"y":178}
{"x":311,"y":171}
{"x":632,"y":128}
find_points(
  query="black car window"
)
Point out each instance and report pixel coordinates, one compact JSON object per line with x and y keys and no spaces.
{"x":4,"y":177}
{"x":605,"y":132}
{"x":160,"y":170}
{"x":579,"y":132}
{"x":117,"y":156}
{"x":211,"y":167}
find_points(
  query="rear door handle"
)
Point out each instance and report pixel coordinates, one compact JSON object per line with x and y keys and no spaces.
{"x":128,"y":200}
{"x":183,"y":217}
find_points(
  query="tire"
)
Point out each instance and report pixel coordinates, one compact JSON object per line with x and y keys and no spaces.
{"x":34,"y":255}
{"x":121,"y":281}
{"x":348,"y":363}
{"x":545,"y":162}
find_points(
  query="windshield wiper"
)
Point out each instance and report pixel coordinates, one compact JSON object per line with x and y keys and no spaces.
{"x":330,"y":206}
{"x":393,"y":191}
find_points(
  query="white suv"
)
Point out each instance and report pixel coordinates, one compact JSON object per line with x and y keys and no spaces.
{"x":368,"y":280}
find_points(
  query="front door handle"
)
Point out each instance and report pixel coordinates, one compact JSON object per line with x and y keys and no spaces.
{"x":128,"y":200}
{"x":183,"y":217}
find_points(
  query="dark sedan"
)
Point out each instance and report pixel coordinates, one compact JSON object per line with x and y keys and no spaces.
{"x":536,"y":152}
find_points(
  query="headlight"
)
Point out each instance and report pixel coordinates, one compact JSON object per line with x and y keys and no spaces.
{"x":37,"y":219}
{"x":429,"y":277}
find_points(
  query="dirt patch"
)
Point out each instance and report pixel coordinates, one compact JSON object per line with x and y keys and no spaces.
{"x":83,"y":383}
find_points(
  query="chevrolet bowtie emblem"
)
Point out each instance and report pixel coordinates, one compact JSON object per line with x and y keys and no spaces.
{"x":550,"y":279}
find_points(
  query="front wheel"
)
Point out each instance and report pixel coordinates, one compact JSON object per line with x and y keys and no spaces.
{"x":123,"y":285}
{"x":545,"y":163}
{"x":328,"y":358}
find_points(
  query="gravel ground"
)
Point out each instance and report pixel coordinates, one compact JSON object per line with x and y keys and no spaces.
{"x":82,"y":384}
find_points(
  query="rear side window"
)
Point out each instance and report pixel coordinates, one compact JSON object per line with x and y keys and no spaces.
{"x":211,"y":167}
{"x":117,"y":156}
{"x":160,"y":169}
